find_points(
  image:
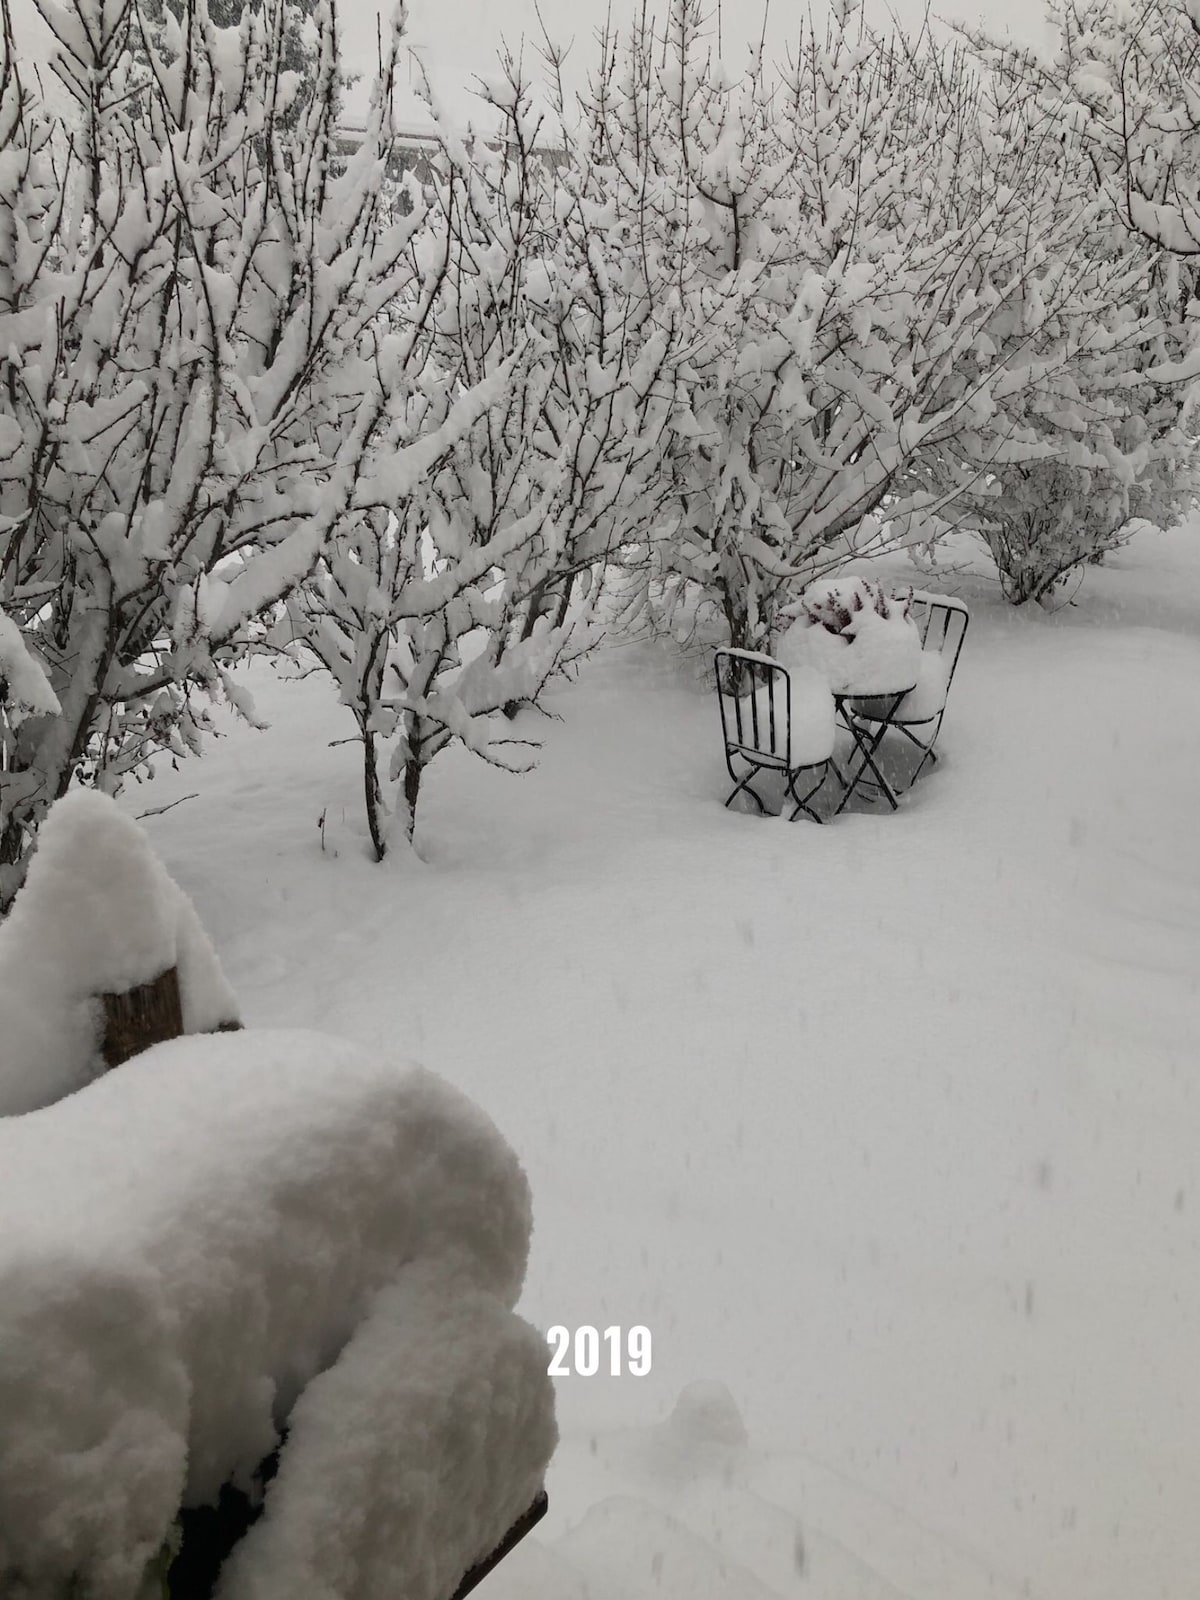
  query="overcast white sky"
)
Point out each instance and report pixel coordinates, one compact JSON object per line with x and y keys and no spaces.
{"x":459,"y":38}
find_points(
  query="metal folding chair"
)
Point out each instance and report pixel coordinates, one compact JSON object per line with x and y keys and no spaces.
{"x":755,"y":695}
{"x":942,"y":623}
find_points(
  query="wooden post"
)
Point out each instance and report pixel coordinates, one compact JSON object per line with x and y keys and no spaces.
{"x":148,"y":1014}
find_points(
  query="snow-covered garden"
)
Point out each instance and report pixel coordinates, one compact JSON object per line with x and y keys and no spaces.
{"x":887,"y":1126}
{"x":319,"y":481}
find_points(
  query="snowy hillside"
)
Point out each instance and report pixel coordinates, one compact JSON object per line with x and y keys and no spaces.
{"x":885,"y":1130}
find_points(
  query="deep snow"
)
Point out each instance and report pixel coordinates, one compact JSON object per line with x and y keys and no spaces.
{"x":888,"y":1126}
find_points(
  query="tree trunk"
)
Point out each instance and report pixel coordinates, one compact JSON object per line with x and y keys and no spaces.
{"x":413,"y":770}
{"x":542,"y":602}
{"x":11,"y":863}
{"x":564,"y":600}
{"x":737,"y":619}
{"x":373,"y":796}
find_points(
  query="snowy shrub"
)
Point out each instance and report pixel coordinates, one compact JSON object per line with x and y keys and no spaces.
{"x":1055,"y":480}
{"x":889,"y":291}
{"x":1090,"y":140}
{"x":198,"y":383}
{"x":1047,"y":518}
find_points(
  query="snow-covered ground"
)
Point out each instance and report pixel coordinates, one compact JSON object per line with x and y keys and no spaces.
{"x":888,"y":1127}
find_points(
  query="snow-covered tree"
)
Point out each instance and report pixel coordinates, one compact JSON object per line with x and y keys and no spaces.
{"x":1059,"y":472}
{"x":701,"y":190}
{"x":1127,"y":79}
{"x":440,"y":619}
{"x":165,"y":22}
{"x":194,"y":378}
{"x":877,"y":287}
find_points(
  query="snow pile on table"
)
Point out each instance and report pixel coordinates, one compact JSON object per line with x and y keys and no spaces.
{"x":98,"y":915}
{"x":804,"y":648}
{"x":190,"y":1239}
{"x":854,"y":633}
{"x":884,"y":654}
{"x":411,"y":1457}
{"x":24,"y":687}
{"x":881,"y":655}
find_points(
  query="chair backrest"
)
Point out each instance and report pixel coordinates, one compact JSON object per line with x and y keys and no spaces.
{"x":755,"y":692}
{"x":134,"y":1019}
{"x":148,"y":1014}
{"x":941,"y":621}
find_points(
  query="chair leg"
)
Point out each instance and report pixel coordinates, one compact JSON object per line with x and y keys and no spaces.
{"x":928,"y":758}
{"x":743,"y":786}
{"x":928,"y":753}
{"x":802,"y":802}
{"x":867,"y":736}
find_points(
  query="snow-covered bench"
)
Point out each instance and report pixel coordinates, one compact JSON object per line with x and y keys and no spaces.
{"x":231,"y":1235}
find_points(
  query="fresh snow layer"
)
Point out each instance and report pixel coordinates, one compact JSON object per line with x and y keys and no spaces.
{"x":923,"y":701}
{"x":680,"y":1507}
{"x":888,"y":1125}
{"x":939,"y":597}
{"x":26,"y":688}
{"x":884,"y":654}
{"x":409,"y":1459}
{"x":190,"y":1239}
{"x":811,"y":722}
{"x":97,"y":915}
{"x":804,"y":647}
{"x":875,"y":655}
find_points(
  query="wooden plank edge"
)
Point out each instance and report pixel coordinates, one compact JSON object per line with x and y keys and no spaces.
{"x":527,"y":1520}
